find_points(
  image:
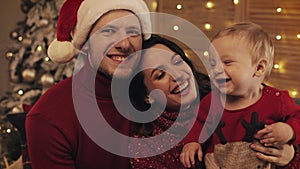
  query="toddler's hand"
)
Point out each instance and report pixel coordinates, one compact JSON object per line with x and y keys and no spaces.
{"x":275,"y":134}
{"x":187,"y":156}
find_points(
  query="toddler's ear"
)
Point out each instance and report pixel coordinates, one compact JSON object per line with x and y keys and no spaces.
{"x":261,"y":68}
{"x":148,"y":100}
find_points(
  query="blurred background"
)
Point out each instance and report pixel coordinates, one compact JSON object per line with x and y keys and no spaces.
{"x":28,"y":26}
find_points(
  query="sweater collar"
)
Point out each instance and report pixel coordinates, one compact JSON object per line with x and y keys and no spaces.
{"x":93,"y":82}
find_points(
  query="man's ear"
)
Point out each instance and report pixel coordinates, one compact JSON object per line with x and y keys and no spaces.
{"x":148,"y":100}
{"x":261,"y":68}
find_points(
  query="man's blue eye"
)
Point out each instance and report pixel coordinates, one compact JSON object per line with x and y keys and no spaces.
{"x":133,"y":33}
{"x":107,"y":31}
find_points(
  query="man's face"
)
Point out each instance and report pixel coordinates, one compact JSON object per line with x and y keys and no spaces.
{"x":116,"y":41}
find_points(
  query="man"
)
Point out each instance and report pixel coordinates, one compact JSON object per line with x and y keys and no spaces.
{"x":114,"y":32}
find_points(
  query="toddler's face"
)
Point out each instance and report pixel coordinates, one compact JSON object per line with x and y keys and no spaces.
{"x":232,"y":71}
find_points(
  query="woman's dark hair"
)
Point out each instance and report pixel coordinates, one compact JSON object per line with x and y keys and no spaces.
{"x":138,"y":90}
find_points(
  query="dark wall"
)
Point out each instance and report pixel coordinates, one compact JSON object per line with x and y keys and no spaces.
{"x":10,"y":14}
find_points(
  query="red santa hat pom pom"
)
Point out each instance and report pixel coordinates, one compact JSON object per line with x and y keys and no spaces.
{"x":62,"y":50}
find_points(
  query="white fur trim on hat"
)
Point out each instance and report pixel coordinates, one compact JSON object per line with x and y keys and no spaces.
{"x":91,"y":10}
{"x":61,"y":52}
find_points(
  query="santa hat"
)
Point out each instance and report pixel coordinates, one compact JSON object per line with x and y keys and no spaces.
{"x":77,"y":17}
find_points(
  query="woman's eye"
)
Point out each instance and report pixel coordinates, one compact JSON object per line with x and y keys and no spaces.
{"x":160,"y":75}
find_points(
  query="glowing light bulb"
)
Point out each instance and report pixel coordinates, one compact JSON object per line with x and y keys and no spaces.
{"x":175,"y":28}
{"x":278,"y":10}
{"x":294,"y":93}
{"x":20,"y":92}
{"x":8,"y":130}
{"x":205,"y":53}
{"x":209,"y":5}
{"x":20,"y":38}
{"x":39,"y":48}
{"x":278,"y":37}
{"x":276,"y":66}
{"x":235,"y":2}
{"x":207,"y":26}
{"x":298,"y":35}
{"x":179,"y":6}
{"x":47,"y":59}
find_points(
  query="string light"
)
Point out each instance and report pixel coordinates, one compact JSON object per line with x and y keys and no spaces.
{"x":278,"y":37}
{"x":47,"y":59}
{"x":39,"y":48}
{"x":205,"y":53}
{"x":20,"y":92}
{"x":279,"y":10}
{"x":20,"y":38}
{"x":276,"y":66}
{"x":8,"y":130}
{"x":179,"y":6}
{"x":298,"y":35}
{"x":235,"y":2}
{"x":175,"y":28}
{"x":209,"y":5}
{"x":294,"y":93}
{"x":207,"y":26}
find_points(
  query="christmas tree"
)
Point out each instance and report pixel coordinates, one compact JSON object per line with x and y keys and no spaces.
{"x":31,"y":70}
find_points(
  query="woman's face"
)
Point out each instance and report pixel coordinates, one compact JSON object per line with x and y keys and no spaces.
{"x":166,"y":71}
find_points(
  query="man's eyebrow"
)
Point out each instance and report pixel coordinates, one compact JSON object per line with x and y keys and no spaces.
{"x":134,"y":27}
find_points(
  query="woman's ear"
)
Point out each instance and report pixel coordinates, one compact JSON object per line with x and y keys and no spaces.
{"x":261,"y":68}
{"x":148,"y":100}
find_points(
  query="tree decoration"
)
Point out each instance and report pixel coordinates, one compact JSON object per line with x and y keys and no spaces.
{"x":30,"y":72}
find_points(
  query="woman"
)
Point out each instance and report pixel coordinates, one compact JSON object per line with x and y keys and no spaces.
{"x":167,"y":68}
{"x":174,"y":75}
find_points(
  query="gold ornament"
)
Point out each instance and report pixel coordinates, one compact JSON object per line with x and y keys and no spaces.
{"x":9,"y":55}
{"x":29,"y":74}
{"x":47,"y":80}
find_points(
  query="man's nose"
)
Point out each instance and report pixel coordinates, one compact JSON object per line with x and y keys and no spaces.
{"x":124,"y":44}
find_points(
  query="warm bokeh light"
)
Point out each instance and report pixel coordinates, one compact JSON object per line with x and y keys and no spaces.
{"x":298,"y":35}
{"x":207,"y":26}
{"x":179,"y":6}
{"x":279,"y":10}
{"x":39,"y":48}
{"x":20,"y":92}
{"x":236,"y":2}
{"x":47,"y":59}
{"x":276,"y":66}
{"x":209,"y":5}
{"x":278,"y":37}
{"x":294,"y":93}
{"x":205,"y":53}
{"x":175,"y":28}
{"x":20,"y":38}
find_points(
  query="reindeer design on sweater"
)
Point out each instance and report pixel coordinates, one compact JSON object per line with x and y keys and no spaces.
{"x":229,"y":155}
